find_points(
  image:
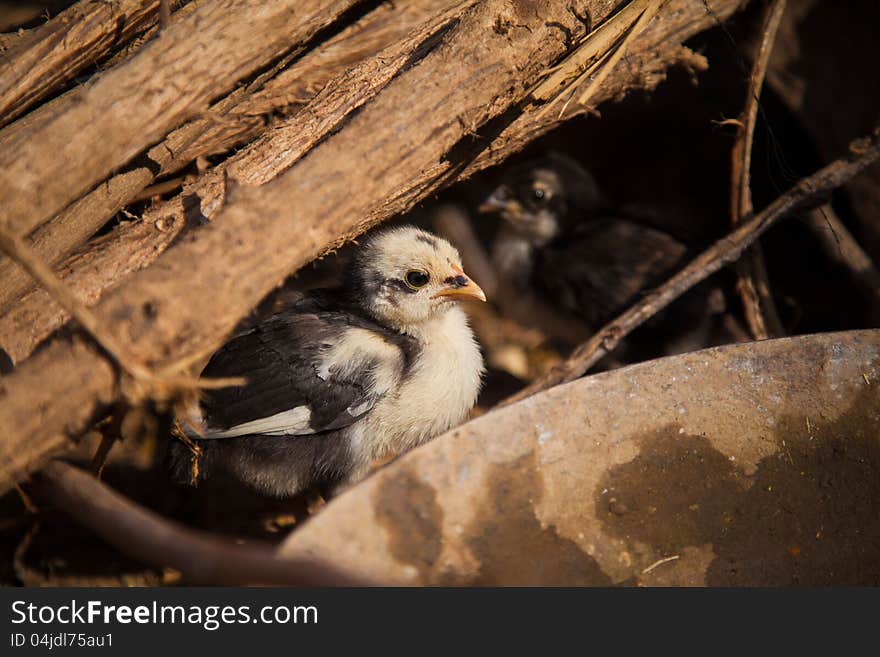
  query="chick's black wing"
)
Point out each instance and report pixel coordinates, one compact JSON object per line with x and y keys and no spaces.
{"x":306,"y":372}
{"x":602,"y":268}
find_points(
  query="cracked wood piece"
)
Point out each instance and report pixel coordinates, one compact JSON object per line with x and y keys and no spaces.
{"x":35,"y":317}
{"x":134,"y":105}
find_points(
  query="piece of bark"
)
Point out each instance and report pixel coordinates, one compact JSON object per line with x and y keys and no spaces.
{"x":842,"y":248}
{"x":295,"y":86}
{"x":281,"y":91}
{"x":54,"y":53}
{"x":134,"y":105}
{"x":414,"y":137}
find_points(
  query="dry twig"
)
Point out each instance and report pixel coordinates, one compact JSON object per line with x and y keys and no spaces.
{"x":843,"y":249}
{"x":139,"y":383}
{"x":660,"y":562}
{"x":725,"y":251}
{"x":753,"y":284}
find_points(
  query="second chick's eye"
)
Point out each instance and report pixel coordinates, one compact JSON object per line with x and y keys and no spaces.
{"x":416,"y":278}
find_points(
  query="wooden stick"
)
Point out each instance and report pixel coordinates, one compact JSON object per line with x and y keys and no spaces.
{"x":16,"y":249}
{"x":753,"y":284}
{"x":140,"y":383}
{"x":725,"y":251}
{"x":199,"y":556}
{"x":843,"y":249}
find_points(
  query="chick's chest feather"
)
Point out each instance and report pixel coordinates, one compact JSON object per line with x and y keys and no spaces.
{"x":437,"y":392}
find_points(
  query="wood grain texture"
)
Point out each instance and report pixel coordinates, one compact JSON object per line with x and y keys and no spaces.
{"x":134,"y":245}
{"x":233,"y":120}
{"x":127,"y":108}
{"x":65,"y":45}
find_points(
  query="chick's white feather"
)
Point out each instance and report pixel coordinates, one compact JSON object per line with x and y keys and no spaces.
{"x":294,"y":422}
{"x":438,"y":393}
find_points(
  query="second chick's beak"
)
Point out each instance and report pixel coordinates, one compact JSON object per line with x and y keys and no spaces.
{"x":499,"y":200}
{"x":460,"y":286}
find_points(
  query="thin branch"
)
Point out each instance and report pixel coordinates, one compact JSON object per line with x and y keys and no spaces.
{"x":753,"y":284}
{"x":808,"y":191}
{"x":660,"y":562}
{"x":21,"y":253}
{"x":201,"y":557}
{"x":843,"y":249}
{"x":140,"y":383}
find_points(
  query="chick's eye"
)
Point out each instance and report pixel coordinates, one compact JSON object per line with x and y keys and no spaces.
{"x":416,"y":278}
{"x":539,"y":195}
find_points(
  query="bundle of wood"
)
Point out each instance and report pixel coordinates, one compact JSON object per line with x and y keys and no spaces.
{"x":165,"y":165}
{"x":393,"y":102}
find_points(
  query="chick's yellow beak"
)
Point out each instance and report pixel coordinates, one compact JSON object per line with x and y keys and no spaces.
{"x":500,"y":200}
{"x":462,"y":287}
